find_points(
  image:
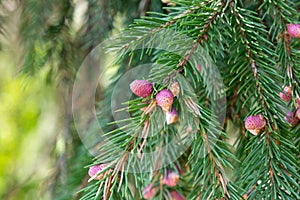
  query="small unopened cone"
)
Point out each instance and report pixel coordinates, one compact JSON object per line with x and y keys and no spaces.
{"x":291,"y":119}
{"x":293,"y":30}
{"x":164,"y":99}
{"x":171,"y":178}
{"x":286,"y":94}
{"x":298,"y":113}
{"x":141,"y":88}
{"x":149,"y":191}
{"x":96,"y":171}
{"x":172,"y":116}
{"x":176,"y":196}
{"x":254,"y":124}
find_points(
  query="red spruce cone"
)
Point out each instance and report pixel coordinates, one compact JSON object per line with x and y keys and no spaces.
{"x":141,"y":88}
{"x":286,"y":94}
{"x":96,"y":169}
{"x":293,"y":30}
{"x":172,"y":116}
{"x":176,"y":196}
{"x":149,"y":191}
{"x":254,"y":124}
{"x":164,"y":99}
{"x":298,"y":113}
{"x":291,"y":119}
{"x":171,"y":178}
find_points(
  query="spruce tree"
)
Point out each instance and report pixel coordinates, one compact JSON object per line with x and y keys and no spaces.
{"x":215,"y":115}
{"x":199,"y":100}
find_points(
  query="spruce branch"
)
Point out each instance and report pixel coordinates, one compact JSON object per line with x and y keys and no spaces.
{"x":187,"y":53}
{"x":253,"y":68}
{"x":219,"y":171}
{"x":250,"y":57}
{"x":211,"y":167}
{"x":201,"y":36}
{"x":151,"y":26}
{"x":260,"y":69}
{"x":285,"y":13}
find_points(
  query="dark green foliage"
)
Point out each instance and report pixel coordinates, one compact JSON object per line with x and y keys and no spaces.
{"x":245,"y":41}
{"x":45,"y":30}
{"x":77,"y":178}
{"x":231,"y":60}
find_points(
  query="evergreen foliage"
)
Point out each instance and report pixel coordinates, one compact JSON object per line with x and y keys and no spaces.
{"x":201,"y":44}
{"x":250,"y":46}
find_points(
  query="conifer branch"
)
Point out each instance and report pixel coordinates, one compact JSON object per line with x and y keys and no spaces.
{"x":202,"y":34}
{"x":219,"y":170}
{"x":249,"y":56}
{"x":140,"y":38}
{"x":284,"y":39}
{"x":253,"y":58}
{"x":267,"y":141}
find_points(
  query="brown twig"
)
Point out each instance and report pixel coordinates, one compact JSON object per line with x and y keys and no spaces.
{"x":162,"y":26}
{"x":250,"y":54}
{"x":218,"y":172}
{"x":200,"y":38}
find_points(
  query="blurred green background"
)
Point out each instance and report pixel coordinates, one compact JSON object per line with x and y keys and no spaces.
{"x":42,"y":44}
{"x":28,"y":130}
